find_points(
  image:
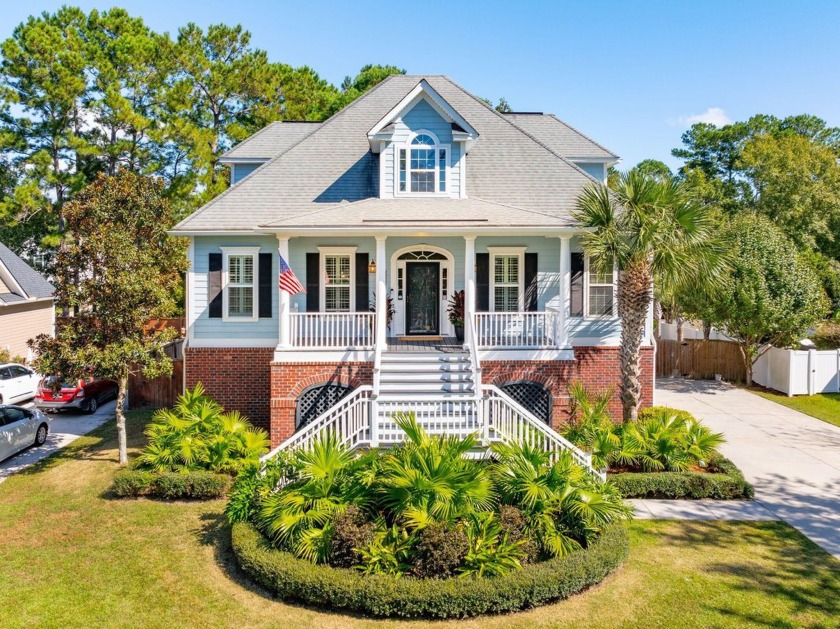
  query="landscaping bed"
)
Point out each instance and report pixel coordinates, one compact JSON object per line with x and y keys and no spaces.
{"x":721,"y":480}
{"x":290,"y":578}
{"x":197,"y":485}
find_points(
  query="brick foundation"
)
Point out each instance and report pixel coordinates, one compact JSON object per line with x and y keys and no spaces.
{"x":246,"y":379}
{"x":238,"y":378}
{"x":288,"y":380}
{"x":598,"y":368}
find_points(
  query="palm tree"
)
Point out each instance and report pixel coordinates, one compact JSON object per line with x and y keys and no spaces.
{"x":653,"y":231}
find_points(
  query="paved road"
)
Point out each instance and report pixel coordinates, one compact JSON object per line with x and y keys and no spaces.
{"x":792,"y":459}
{"x":64,"y":428}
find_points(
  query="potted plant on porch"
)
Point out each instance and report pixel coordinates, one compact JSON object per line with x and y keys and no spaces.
{"x":456,"y":313}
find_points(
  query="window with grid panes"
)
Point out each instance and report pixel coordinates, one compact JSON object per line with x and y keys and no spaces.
{"x":506,"y":283}
{"x":601,"y":292}
{"x":337,"y":283}
{"x":422,"y":167}
{"x":240,"y":286}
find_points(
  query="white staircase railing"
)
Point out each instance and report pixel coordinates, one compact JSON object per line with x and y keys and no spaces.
{"x":509,"y":421}
{"x":437,"y":415}
{"x":515,"y":330}
{"x":349,"y":421}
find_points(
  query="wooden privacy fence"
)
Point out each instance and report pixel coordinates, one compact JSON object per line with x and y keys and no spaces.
{"x":158,"y":392}
{"x":699,"y":359}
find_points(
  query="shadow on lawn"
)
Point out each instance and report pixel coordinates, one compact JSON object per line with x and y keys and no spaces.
{"x":793,"y":568}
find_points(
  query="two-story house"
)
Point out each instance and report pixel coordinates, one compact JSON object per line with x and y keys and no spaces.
{"x":414,"y":191}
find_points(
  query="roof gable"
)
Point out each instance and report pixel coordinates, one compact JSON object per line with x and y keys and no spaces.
{"x":425,"y":92}
{"x":23,"y":281}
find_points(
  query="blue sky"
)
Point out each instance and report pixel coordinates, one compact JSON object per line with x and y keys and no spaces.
{"x":630,"y":74}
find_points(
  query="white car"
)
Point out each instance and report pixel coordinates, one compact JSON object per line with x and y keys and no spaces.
{"x":20,"y":428}
{"x":17,"y":383}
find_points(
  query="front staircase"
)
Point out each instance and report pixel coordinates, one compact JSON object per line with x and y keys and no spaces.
{"x":443,"y":389}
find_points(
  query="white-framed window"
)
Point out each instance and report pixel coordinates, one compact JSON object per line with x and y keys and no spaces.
{"x":507,"y":278}
{"x":600,"y":291}
{"x":240,"y":298}
{"x":422,"y":166}
{"x":338,"y":270}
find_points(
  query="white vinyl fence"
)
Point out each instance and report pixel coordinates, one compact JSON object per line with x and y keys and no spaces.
{"x":799,"y":372}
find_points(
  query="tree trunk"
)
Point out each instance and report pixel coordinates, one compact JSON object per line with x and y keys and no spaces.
{"x":680,"y":329}
{"x":122,"y":440}
{"x":707,"y":330}
{"x":635,"y":292}
{"x":748,"y":366}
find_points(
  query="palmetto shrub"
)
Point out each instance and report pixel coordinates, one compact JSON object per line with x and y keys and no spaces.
{"x":197,"y":434}
{"x":661,"y":440}
{"x":425,"y":509}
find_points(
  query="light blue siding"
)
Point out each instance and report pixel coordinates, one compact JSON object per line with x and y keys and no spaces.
{"x":599,"y":171}
{"x":583,"y":330}
{"x":238,"y":172}
{"x":206,"y":328}
{"x":421,"y":116}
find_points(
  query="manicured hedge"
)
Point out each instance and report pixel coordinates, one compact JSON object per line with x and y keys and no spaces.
{"x":295,"y":579}
{"x":727,"y":483}
{"x":170,"y":485}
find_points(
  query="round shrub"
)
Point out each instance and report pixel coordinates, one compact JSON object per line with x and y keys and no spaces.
{"x":351,"y":531}
{"x":290,"y":578}
{"x":660,"y":412}
{"x":440,"y":551}
{"x":515,"y":526}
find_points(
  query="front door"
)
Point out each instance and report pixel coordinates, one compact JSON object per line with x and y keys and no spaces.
{"x":422,"y":305}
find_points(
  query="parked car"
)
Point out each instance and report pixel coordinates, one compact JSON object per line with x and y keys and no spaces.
{"x":85,"y":394}
{"x":20,"y":428}
{"x":17,"y":383}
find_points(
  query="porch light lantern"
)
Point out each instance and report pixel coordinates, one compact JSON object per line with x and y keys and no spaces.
{"x":372,"y":266}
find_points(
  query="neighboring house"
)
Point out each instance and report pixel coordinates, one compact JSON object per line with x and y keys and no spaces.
{"x":416,"y":190}
{"x":26,"y":304}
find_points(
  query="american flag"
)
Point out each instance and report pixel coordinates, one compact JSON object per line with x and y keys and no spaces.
{"x":288,"y":280}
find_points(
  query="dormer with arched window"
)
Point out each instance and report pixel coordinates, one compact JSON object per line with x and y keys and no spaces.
{"x":423,"y":165}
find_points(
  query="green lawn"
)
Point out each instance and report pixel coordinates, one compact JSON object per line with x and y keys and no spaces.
{"x":72,"y":557}
{"x":824,"y":406}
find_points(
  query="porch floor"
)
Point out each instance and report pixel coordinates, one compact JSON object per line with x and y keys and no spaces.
{"x":403,"y":344}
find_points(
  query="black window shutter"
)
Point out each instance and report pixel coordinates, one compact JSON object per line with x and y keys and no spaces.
{"x":577,"y":285}
{"x":362,"y":283}
{"x":531,"y":282}
{"x":214,"y":286}
{"x":313,"y":282}
{"x":482,"y":282}
{"x":265,"y":284}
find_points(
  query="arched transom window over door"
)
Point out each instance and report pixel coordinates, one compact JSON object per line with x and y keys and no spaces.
{"x":423,"y":166}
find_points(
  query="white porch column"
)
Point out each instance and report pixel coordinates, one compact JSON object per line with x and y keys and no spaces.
{"x":381,"y":294}
{"x":285,"y":307}
{"x":469,"y":276}
{"x":565,"y":289}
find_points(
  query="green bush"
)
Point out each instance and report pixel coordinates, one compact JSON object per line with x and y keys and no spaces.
{"x":196,"y":434}
{"x":290,"y":578}
{"x":350,"y":532}
{"x":170,"y":485}
{"x":723,"y":481}
{"x":439,"y":551}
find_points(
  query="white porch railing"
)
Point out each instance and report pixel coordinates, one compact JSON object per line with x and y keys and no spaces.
{"x":509,"y":421}
{"x":349,"y":421}
{"x":332,"y":330}
{"x":516,"y":329}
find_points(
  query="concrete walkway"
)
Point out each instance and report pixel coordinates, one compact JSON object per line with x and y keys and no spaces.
{"x":65,"y":428}
{"x":792,"y":459}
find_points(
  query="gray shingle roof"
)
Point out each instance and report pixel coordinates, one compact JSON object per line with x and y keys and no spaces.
{"x":333,"y":165}
{"x":271,"y":140}
{"x":560,"y":136}
{"x":32,"y":283}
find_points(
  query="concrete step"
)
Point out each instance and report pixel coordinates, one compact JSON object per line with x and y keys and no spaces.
{"x":407,"y":390}
{"x":425,"y":376}
{"x":439,"y":367}
{"x":423,"y":357}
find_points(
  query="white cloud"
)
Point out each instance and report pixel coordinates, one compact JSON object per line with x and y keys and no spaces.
{"x":713,"y":115}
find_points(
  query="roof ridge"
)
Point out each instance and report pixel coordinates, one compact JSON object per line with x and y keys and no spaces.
{"x":523,"y":132}
{"x":580,"y":133}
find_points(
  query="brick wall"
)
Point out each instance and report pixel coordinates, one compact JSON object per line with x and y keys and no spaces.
{"x":288,"y":380}
{"x":238,"y":378}
{"x":596,"y":367}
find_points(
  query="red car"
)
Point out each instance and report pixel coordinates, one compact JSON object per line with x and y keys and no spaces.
{"x":86,"y":394}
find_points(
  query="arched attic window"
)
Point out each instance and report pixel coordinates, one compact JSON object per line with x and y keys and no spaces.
{"x":423,"y":165}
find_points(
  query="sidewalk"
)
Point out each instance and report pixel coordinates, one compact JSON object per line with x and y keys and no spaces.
{"x":792,"y":459}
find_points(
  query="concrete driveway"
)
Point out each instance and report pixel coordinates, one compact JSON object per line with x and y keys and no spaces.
{"x":65,"y":428}
{"x":792,"y":459}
